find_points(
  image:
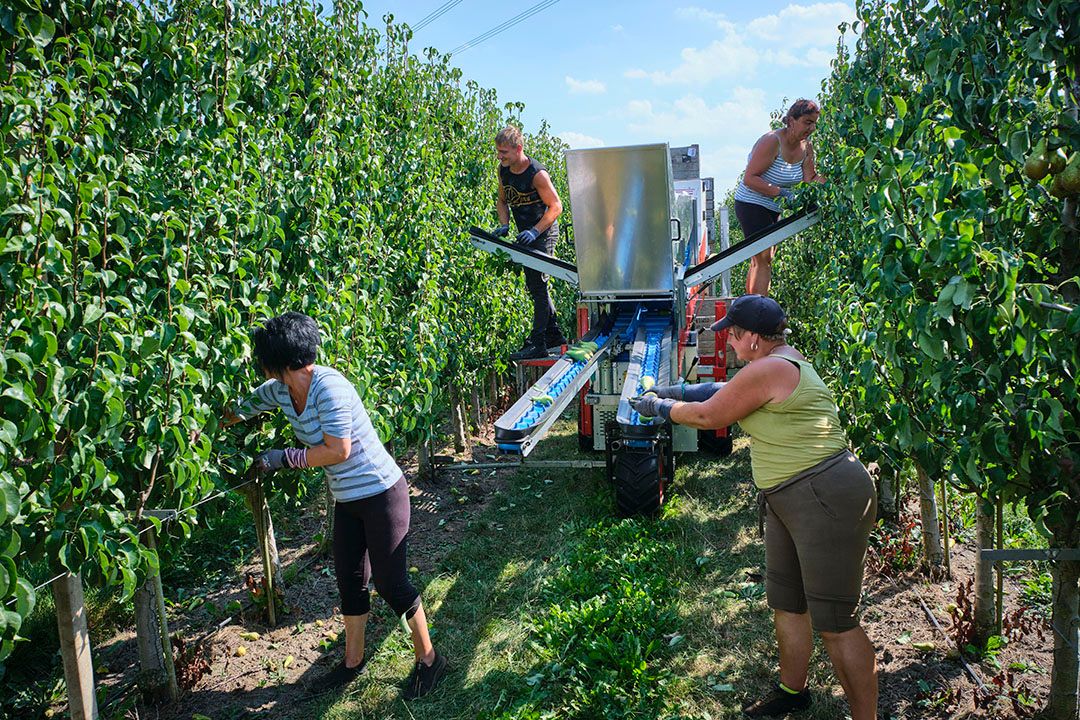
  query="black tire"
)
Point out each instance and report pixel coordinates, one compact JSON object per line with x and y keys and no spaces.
{"x":639,"y":486}
{"x":709,"y":442}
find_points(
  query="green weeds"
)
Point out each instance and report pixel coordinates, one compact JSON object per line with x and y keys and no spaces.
{"x":609,"y":618}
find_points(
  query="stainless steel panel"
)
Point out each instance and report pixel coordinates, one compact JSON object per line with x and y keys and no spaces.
{"x":622,"y":200}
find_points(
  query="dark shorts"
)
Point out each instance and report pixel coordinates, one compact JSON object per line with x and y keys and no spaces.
{"x":370,"y":544}
{"x":817,"y":527}
{"x":754,"y":218}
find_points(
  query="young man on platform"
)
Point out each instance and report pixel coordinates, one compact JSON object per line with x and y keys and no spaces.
{"x":526,"y":191}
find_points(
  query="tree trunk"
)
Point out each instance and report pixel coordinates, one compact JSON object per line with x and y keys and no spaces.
{"x":457,"y":419}
{"x":329,"y":504}
{"x":984,"y":574}
{"x":477,"y":415}
{"x":423,"y":460}
{"x":157,"y":673}
{"x":887,"y":506}
{"x":1062,"y":704}
{"x":75,"y":646}
{"x":933,"y":554}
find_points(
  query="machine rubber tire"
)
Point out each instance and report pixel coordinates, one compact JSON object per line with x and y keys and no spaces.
{"x":639,"y":488}
{"x":710,"y":443}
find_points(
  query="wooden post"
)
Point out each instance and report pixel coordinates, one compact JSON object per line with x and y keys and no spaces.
{"x":157,"y":669}
{"x":1000,"y":545}
{"x":75,"y":646}
{"x":945,"y":528}
{"x":264,"y":532}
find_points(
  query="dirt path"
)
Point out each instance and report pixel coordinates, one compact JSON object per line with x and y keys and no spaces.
{"x":920,"y":676}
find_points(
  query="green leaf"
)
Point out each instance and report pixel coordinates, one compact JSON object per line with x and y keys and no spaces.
{"x":901,"y":106}
{"x":10,"y":500}
{"x":1019,"y":145}
{"x":42,"y":29}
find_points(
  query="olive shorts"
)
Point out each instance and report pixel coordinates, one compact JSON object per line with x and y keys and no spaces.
{"x":817,"y":526}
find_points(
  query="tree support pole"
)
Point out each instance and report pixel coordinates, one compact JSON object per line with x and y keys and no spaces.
{"x":75,"y":646}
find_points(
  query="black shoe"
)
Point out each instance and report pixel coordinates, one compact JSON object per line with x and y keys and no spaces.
{"x":529,"y":352}
{"x":779,"y":702}
{"x":424,"y":678}
{"x":338,"y":677}
{"x":554,"y":343}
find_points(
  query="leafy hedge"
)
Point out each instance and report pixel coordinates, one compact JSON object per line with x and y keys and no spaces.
{"x":948,"y":310}
{"x":173,"y":173}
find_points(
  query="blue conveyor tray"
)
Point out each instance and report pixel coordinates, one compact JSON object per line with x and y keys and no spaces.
{"x":650,"y":356}
{"x":528,"y":420}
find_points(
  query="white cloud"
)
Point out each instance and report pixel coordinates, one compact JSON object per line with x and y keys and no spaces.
{"x":727,"y":58}
{"x":617,"y":28}
{"x":797,"y":36}
{"x":726,"y":131}
{"x":585,"y":87}
{"x":803,"y":25}
{"x":580,"y":140}
{"x":698,"y":14}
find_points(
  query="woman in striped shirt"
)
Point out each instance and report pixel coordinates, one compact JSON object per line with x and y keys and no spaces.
{"x":371,"y":508}
{"x":779,"y":160}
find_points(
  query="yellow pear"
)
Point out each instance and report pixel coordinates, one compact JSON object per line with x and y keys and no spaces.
{"x":1036,"y":166}
{"x":1057,"y":160}
{"x":1070,"y":176}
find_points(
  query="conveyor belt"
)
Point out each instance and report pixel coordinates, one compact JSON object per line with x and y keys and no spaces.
{"x":650,"y":357}
{"x":528,"y":420}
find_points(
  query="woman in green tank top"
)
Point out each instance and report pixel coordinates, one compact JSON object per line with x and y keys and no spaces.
{"x":818,"y":499}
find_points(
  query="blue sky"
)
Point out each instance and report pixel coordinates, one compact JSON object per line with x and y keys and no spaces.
{"x":626,"y":72}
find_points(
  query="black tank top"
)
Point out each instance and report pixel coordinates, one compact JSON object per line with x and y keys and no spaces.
{"x":523,"y":199}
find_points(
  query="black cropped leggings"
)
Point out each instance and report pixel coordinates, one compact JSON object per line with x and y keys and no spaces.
{"x":369,"y":542}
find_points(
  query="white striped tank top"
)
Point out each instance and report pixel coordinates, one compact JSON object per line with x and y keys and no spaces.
{"x":781,"y":173}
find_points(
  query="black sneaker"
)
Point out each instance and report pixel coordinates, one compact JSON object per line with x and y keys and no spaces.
{"x":529,"y":352}
{"x":554,"y":343}
{"x":336,"y":678}
{"x":424,"y":678}
{"x":780,"y":702}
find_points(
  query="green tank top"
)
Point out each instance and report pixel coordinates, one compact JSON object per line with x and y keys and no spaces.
{"x":796,"y":434}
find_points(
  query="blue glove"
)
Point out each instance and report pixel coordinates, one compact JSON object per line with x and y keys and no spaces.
{"x":650,"y":406}
{"x":527,"y":236}
{"x":270,"y":461}
{"x":698,"y":392}
{"x":501,"y":231}
{"x":786,"y":194}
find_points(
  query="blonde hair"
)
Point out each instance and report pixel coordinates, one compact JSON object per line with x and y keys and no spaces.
{"x":510,"y":136}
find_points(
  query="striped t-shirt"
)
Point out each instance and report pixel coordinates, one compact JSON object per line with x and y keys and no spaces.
{"x":781,"y":173}
{"x":333,"y":408}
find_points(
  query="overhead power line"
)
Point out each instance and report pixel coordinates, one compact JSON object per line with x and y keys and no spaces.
{"x":538,"y":7}
{"x":435,"y":14}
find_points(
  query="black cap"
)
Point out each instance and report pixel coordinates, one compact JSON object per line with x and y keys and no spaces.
{"x":755,"y":313}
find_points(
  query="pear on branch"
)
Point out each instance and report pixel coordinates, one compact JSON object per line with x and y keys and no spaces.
{"x":1056,"y":159}
{"x":1036,"y":165}
{"x":1070,"y":176}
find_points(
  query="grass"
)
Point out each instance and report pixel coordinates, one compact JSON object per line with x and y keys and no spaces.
{"x":549,"y":607}
{"x":505,"y":605}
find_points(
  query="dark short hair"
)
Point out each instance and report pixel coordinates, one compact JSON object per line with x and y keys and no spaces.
{"x":286,"y":342}
{"x":801,"y":107}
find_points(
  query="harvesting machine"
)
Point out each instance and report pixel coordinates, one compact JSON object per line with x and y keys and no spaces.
{"x":643,"y":272}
